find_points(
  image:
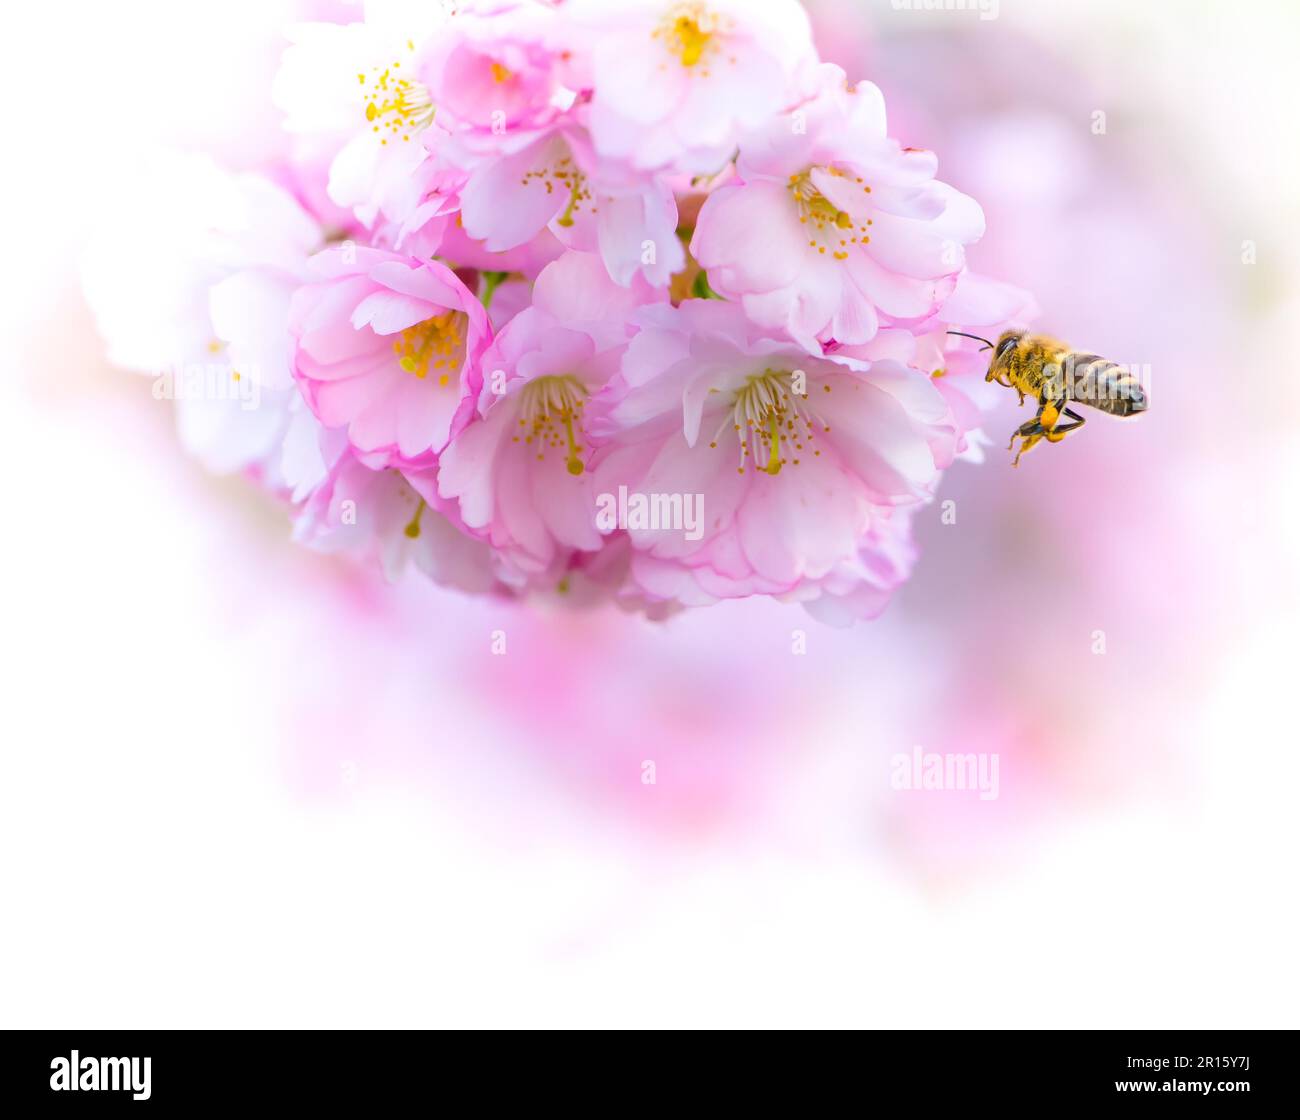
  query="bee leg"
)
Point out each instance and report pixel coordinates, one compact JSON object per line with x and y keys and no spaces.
{"x":1041,"y":427}
{"x":1029,"y":428}
{"x":1058,"y":430}
{"x":1026,"y":444}
{"x":1046,"y":425}
{"x":1029,"y":433}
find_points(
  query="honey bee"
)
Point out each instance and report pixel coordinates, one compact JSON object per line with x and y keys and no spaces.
{"x":1048,"y":370}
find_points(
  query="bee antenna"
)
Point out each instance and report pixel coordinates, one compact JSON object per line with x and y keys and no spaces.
{"x":987,"y":344}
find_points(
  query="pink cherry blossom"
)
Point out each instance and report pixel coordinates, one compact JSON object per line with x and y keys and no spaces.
{"x":387,"y":347}
{"x":500,"y":335}
{"x":353,"y":102}
{"x":796,"y":457}
{"x":519,"y":469}
{"x":514,"y":174}
{"x":855,"y":589}
{"x":498,"y":67}
{"x":550,"y":180}
{"x":834,"y":229}
{"x":435,"y":227}
{"x":676,"y":82}
{"x":384,"y":517}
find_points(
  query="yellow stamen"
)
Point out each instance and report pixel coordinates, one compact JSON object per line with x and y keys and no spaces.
{"x":767,"y":410}
{"x":564,"y":175}
{"x":437,"y":343}
{"x":688,"y":32}
{"x":824,"y":219}
{"x":773,"y":446}
{"x":412,"y":529}
{"x":549,"y":408}
{"x":394,"y":106}
{"x":574,"y":464}
{"x":690,"y":39}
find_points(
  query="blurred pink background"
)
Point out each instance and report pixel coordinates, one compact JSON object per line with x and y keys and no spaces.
{"x":289,"y":794}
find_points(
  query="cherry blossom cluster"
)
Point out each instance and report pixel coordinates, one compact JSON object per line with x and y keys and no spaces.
{"x":525,"y":264}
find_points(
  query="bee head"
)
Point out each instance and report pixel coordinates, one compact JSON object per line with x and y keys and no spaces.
{"x":1006,"y":343}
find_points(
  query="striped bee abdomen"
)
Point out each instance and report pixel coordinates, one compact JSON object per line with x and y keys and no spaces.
{"x":1105,"y":385}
